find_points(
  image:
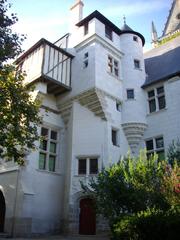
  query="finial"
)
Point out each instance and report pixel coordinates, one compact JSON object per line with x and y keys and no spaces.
{"x":124,"y":18}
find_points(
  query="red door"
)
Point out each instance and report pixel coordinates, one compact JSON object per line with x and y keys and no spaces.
{"x":2,"y":212}
{"x":87,"y":217}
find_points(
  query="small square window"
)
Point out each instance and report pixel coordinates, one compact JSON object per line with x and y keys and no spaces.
{"x":136,"y":63}
{"x":135,"y":38}
{"x":86,"y":28}
{"x":82,"y":166}
{"x":93,"y":166}
{"x":118,"y":106}
{"x":108,"y":32}
{"x":130,"y":93}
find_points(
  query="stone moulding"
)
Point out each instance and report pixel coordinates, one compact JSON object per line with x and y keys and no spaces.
{"x":134,"y":132}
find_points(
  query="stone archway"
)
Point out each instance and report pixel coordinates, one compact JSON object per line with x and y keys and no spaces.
{"x":2,"y":211}
{"x":87,"y":217}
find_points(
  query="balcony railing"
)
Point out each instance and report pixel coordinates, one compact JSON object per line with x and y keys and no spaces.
{"x":47,"y":63}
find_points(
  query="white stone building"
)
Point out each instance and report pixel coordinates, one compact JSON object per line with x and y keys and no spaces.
{"x":100,"y":97}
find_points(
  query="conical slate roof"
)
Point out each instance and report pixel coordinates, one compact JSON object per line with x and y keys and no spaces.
{"x":126,"y":29}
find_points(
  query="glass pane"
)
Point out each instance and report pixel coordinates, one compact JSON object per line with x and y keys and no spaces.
{"x":152,"y":105}
{"x":116,"y":72}
{"x":44,"y":132}
{"x":159,"y":142}
{"x":160,"y":90}
{"x":52,"y":147}
{"x":42,"y":160}
{"x":93,"y":166}
{"x":130,"y":94}
{"x":52,"y":161}
{"x":110,"y":59}
{"x":115,"y":63}
{"x":151,"y":93}
{"x":149,"y":145}
{"x":53,"y":135}
{"x":110,"y":68}
{"x":161,"y":155}
{"x":162,"y":103}
{"x":136,"y":63}
{"x":82,"y":166}
{"x":43,"y":145}
{"x":114,"y":137}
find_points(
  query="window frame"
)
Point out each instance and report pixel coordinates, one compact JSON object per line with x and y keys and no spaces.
{"x":47,"y":151}
{"x":154,"y":99}
{"x":113,"y":66}
{"x":155,"y":148}
{"x":115,"y":138}
{"x":88,"y":164}
{"x":129,"y":97}
{"x":137,"y":64}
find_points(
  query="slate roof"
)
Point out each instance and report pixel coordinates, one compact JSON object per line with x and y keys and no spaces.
{"x":162,"y":62}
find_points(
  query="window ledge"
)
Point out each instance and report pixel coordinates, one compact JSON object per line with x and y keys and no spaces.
{"x":49,"y":172}
{"x":140,"y":69}
{"x":118,"y":146}
{"x":159,"y":111}
{"x":114,"y":76}
{"x":130,"y":99}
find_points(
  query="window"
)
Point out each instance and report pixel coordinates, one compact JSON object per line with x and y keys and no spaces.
{"x":108,"y":32}
{"x":130,"y":93}
{"x":114,"y":134}
{"x":113,"y":66}
{"x":85,"y":61}
{"x":155,"y":145}
{"x":48,"y":149}
{"x":118,"y":106}
{"x":137,"y":64}
{"x":135,"y":38}
{"x":86,"y":28}
{"x":156,"y":99}
{"x":87,"y":166}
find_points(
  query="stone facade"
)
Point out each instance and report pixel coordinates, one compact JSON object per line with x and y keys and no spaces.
{"x":94,"y":109}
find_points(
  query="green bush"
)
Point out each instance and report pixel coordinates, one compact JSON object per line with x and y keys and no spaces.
{"x":151,"y":224}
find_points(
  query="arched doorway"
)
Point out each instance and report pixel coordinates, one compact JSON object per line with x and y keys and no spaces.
{"x":2,"y":211}
{"x":87,"y":217}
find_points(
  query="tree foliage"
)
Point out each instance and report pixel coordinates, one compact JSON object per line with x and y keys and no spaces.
{"x":133,"y":186}
{"x":18,"y":110}
{"x":10,"y":42}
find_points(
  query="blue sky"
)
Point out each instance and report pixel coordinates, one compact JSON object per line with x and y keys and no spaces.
{"x":49,"y":18}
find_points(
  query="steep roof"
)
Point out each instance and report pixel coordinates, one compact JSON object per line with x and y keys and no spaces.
{"x":173,"y":20}
{"x":162,"y":62}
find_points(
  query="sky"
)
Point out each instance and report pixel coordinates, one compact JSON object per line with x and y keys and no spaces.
{"x":49,"y":18}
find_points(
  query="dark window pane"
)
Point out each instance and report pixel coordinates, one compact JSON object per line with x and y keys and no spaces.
{"x":86,"y":55}
{"x":43,"y":145}
{"x":86,"y":28}
{"x":53,"y":135}
{"x":135,"y":38}
{"x":149,"y":145}
{"x":160,"y":90}
{"x":159,"y":142}
{"x":114,"y":137}
{"x":42,"y":160}
{"x":52,"y":162}
{"x":151,"y":93}
{"x":162,"y":102}
{"x":93,"y":166}
{"x":52,"y":147}
{"x":130,"y":94}
{"x":118,"y":106}
{"x":44,"y":132}
{"x":108,"y":32}
{"x":136,"y":63}
{"x":152,"y":105}
{"x":116,"y":72}
{"x":161,"y":155}
{"x":82,"y":166}
{"x":85,"y":64}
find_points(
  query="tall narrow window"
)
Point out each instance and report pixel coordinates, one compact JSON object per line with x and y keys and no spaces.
{"x":82,"y":166}
{"x":48,"y":149}
{"x":113,"y":66}
{"x":93,"y":168}
{"x":114,"y":135}
{"x":85,"y":61}
{"x":137,"y":64}
{"x":130,"y":93}
{"x":108,"y":32}
{"x":86,"y":28}
{"x":156,"y":99}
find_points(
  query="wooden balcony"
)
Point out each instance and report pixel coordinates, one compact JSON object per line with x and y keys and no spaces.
{"x":47,"y":63}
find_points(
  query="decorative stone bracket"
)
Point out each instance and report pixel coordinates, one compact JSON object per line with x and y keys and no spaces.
{"x":134,"y":132}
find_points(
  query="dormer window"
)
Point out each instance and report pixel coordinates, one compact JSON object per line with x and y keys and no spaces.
{"x":86,"y":28}
{"x":108,"y":32}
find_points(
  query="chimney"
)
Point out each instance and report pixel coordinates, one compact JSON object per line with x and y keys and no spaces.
{"x":76,"y":14}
